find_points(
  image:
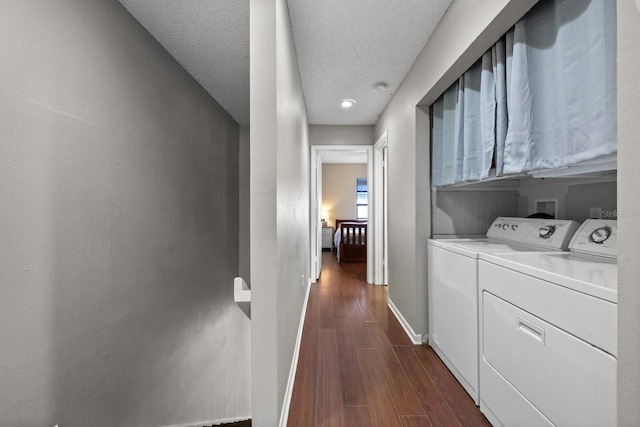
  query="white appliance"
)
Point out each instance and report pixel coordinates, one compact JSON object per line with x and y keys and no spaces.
{"x":453,"y":286}
{"x":549,"y":333}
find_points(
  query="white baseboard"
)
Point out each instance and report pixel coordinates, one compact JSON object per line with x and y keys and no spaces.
{"x":415,"y":338}
{"x":212,"y":422}
{"x":284,"y":415}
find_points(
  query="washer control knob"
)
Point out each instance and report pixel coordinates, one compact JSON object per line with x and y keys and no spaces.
{"x":599,"y":235}
{"x":505,"y":226}
{"x":547,"y":231}
{"x":514,"y":227}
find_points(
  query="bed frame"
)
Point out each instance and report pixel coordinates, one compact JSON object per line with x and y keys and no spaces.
{"x":353,"y":241}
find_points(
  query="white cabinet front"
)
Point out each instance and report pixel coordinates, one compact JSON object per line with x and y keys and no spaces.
{"x":453,"y":314}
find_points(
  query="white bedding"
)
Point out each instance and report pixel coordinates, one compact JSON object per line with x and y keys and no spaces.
{"x":336,"y":241}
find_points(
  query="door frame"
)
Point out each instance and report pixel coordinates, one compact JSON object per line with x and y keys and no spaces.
{"x":315,"y":217}
{"x":315,"y":226}
{"x":380,"y":195}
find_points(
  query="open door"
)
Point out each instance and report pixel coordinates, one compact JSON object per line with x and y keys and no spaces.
{"x":380,"y":210}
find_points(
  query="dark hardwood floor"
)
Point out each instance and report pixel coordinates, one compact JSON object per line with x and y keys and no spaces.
{"x":357,"y":367}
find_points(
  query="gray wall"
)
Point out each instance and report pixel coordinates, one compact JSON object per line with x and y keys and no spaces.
{"x":575,"y":197}
{"x":119,"y":228}
{"x":341,"y":135}
{"x":245,"y":199}
{"x":628,"y":213}
{"x":280,"y":176}
{"x":460,"y":213}
{"x":470,"y":209}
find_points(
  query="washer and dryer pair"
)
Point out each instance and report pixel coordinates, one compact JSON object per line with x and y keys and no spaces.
{"x":453,"y":286}
{"x":529,"y":329}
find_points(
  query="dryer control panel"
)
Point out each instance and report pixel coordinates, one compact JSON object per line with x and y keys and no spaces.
{"x":597,"y":237}
{"x":551,"y":234}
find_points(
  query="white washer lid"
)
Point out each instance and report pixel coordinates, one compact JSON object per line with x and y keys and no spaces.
{"x":592,"y":275}
{"x":473,"y":247}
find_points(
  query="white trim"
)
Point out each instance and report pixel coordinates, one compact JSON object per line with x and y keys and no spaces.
{"x":284,"y":414}
{"x":315,"y":252}
{"x":415,"y":338}
{"x":317,"y":150}
{"x":379,"y":210}
{"x":371,"y":219}
{"x":212,"y":422}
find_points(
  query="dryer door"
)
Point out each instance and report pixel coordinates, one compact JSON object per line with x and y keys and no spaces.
{"x":568,"y":380}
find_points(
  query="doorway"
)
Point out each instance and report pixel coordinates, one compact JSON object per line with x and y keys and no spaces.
{"x":322,"y":154}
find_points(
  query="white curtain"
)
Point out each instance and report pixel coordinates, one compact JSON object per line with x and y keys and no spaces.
{"x":499,"y":62}
{"x":444,"y":169}
{"x":561,"y":85}
{"x":489,"y":114}
{"x":463,"y":135}
{"x":470,"y":112}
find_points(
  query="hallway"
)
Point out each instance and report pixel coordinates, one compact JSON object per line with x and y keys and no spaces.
{"x":357,"y":367}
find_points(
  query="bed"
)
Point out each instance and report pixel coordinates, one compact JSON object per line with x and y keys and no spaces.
{"x":350,"y":240}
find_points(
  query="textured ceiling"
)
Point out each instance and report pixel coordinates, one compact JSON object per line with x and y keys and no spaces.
{"x":210,"y":38}
{"x":343,"y":48}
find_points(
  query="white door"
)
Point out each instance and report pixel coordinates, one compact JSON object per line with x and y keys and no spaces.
{"x":380,"y":210}
{"x":384,"y":216}
{"x":316,"y":215}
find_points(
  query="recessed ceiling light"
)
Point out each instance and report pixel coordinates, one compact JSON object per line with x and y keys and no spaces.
{"x":347,"y":103}
{"x":380,"y":86}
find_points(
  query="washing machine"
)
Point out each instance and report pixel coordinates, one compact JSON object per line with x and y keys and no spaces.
{"x":548,"y":333}
{"x":453,"y":286}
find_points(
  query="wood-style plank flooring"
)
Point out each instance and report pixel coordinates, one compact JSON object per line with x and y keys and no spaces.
{"x":357,"y":367}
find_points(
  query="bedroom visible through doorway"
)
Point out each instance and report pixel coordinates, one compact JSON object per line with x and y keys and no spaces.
{"x":343,"y":192}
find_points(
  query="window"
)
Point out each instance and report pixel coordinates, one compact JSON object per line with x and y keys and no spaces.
{"x":362,"y":200}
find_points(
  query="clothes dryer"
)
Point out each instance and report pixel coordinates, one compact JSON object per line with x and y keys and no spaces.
{"x":548,"y":332}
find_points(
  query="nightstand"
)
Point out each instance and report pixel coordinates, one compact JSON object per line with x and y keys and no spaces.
{"x":327,"y":237}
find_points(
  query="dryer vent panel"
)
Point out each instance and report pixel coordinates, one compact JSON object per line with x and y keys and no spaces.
{"x":550,"y":207}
